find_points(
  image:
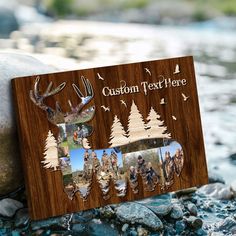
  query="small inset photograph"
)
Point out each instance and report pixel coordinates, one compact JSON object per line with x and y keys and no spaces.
{"x":105,"y":165}
{"x":172,"y":158}
{"x":63,"y":149}
{"x":77,"y":135}
{"x":146,"y":163}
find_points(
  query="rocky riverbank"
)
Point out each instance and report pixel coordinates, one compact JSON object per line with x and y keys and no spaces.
{"x":73,"y":45}
{"x":208,"y":210}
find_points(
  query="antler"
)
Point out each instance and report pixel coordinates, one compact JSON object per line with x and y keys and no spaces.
{"x":54,"y":116}
{"x":76,"y":116}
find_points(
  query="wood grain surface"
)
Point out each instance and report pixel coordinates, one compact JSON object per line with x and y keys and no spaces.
{"x":46,"y":196}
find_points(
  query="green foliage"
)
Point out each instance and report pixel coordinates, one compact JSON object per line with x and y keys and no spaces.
{"x":204,"y":9}
{"x":226,"y":7}
{"x":67,"y":179}
{"x":229,"y":9}
{"x":135,"y":4}
{"x":200,"y":15}
{"x":60,"y":7}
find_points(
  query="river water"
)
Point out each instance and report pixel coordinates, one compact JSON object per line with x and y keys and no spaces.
{"x":93,"y":44}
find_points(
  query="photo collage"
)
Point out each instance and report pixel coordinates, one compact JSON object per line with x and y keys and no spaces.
{"x":156,"y":160}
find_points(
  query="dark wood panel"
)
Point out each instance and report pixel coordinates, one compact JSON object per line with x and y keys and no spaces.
{"x":45,"y":187}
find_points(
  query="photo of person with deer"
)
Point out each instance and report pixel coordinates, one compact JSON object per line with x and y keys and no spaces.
{"x":173,"y":161}
{"x":145,"y":163}
{"x":154,"y":167}
{"x":105,"y":165}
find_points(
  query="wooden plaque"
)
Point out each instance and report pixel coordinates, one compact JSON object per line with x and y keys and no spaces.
{"x":106,"y":135}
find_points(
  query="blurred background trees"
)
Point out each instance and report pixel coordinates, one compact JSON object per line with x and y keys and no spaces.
{"x":115,"y":10}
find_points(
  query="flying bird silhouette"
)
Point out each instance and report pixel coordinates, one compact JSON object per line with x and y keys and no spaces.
{"x":185,"y":97}
{"x":100,"y":77}
{"x":123,"y":102}
{"x":105,"y":108}
{"x":148,"y":71}
{"x":174,"y":118}
{"x":162,"y":102}
{"x":177,"y":71}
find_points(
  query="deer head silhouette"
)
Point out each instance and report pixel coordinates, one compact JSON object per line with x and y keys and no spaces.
{"x":56,"y":116}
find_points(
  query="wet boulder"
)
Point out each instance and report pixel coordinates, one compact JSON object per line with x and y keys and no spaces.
{"x":12,"y":65}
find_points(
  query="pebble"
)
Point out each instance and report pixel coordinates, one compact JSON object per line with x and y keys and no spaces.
{"x":137,"y":213}
{"x":215,"y":178}
{"x":180,"y":226}
{"x":217,"y":190}
{"x":142,"y":232}
{"x":42,"y":224}
{"x":101,"y":229}
{"x":201,"y":232}
{"x":176,"y":212}
{"x":84,"y":216}
{"x":226,"y":224}
{"x":79,"y":228}
{"x":124,"y":227}
{"x":21,"y":218}
{"x":192,"y":209}
{"x":161,"y":210}
{"x":217,"y":234}
{"x":106,"y":212}
{"x":194,"y":222}
{"x":233,"y":188}
{"x":8,"y":207}
{"x":160,"y":205}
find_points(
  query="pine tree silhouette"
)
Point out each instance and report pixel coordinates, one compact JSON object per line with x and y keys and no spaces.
{"x":118,"y":136}
{"x":95,"y":191}
{"x":51,"y":159}
{"x":155,"y":126}
{"x":136,"y":125}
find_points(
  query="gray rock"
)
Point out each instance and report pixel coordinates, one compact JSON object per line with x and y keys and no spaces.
{"x":8,"y":22}
{"x":201,"y":232}
{"x":226,"y":224}
{"x":21,"y":218}
{"x":176,"y":212}
{"x":233,"y":188}
{"x":124,"y":227}
{"x":106,"y":212}
{"x":101,"y":229}
{"x":180,"y":226}
{"x":8,"y":207}
{"x":217,"y":234}
{"x":79,"y":228}
{"x":132,"y":232}
{"x":142,"y":232}
{"x":137,"y":213}
{"x":160,"y":205}
{"x":42,"y":224}
{"x":12,"y":65}
{"x":194,"y":222}
{"x":217,"y":190}
{"x":84,"y":216}
{"x":192,"y":209}
{"x":215,"y":178}
{"x":161,"y":210}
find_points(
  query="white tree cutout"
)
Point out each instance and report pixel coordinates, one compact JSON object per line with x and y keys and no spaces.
{"x":51,"y":160}
{"x":118,"y":136}
{"x":136,"y":125}
{"x":155,"y":126}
